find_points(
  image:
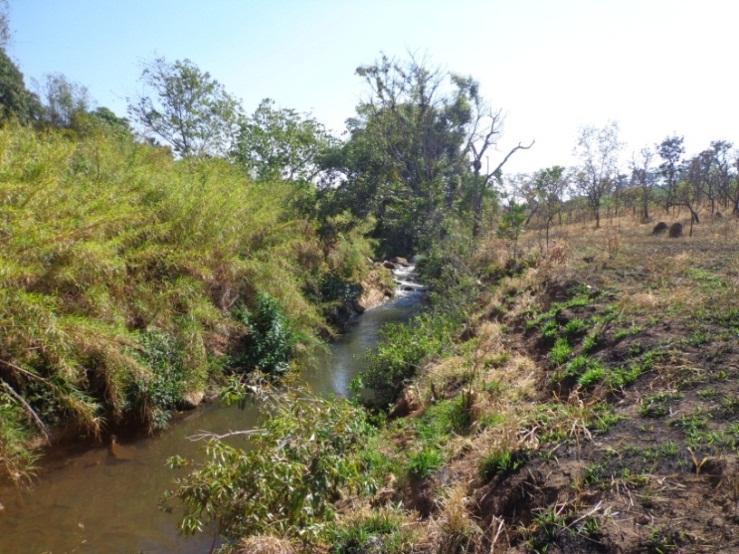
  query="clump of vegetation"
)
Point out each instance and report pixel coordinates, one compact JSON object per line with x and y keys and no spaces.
{"x":378,"y":531}
{"x":399,"y":355}
{"x":120,"y":267}
{"x":269,"y":341}
{"x":297,"y":465}
{"x":500,"y":463}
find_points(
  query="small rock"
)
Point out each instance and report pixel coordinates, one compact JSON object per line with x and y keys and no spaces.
{"x":398,"y":260}
{"x":388,"y":264}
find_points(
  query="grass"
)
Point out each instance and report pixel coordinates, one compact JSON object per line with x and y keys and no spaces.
{"x":118,"y":271}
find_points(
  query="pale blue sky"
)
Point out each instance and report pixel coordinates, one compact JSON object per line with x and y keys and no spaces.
{"x":655,"y":66}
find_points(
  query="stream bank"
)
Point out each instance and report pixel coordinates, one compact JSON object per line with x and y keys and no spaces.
{"x":93,"y":502}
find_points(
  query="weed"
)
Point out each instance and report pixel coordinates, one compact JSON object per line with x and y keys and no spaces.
{"x":560,"y":351}
{"x":501,"y":463}
{"x":575,"y":327}
{"x":425,"y":462}
{"x":658,"y":405}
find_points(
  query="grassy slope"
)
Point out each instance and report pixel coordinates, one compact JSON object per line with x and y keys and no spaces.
{"x":118,"y":267}
{"x":591,"y":406}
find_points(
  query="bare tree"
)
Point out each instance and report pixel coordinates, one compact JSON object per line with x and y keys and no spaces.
{"x":598,"y":151}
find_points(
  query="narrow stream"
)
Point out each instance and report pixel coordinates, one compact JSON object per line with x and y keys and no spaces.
{"x":91,"y":503}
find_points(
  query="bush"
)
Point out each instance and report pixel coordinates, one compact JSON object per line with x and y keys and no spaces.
{"x":269,"y":342}
{"x":286,"y":483}
{"x":401,"y":350}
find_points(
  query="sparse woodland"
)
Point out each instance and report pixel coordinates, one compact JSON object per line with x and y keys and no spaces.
{"x":571,"y":385}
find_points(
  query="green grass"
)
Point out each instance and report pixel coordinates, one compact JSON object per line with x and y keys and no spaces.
{"x":425,"y":462}
{"x":501,"y":462}
{"x":118,"y":269}
{"x":560,"y":352}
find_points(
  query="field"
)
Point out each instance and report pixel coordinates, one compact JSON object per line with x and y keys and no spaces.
{"x":590,"y":404}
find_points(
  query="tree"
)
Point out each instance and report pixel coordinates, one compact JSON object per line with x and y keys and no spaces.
{"x":598,"y":150}
{"x":63,"y":100}
{"x":281,"y":144}
{"x":642,"y":176}
{"x":187,"y":108}
{"x":544,"y":195}
{"x":15,"y":99}
{"x":416,"y":150}
{"x":670,"y":150}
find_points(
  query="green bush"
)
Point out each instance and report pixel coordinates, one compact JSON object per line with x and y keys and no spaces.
{"x":269,"y":341}
{"x":401,"y":350}
{"x":286,"y":483}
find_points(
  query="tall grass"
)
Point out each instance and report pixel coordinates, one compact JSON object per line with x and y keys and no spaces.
{"x":119,"y":271}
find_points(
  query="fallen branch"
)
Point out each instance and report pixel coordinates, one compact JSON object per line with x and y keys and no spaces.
{"x":40,"y":424}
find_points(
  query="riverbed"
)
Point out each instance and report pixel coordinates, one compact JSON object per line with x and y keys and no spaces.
{"x":90,"y":502}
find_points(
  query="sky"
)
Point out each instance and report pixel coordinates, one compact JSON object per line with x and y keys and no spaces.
{"x":657,"y":67}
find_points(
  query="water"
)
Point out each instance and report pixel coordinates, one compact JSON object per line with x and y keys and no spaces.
{"x":88,"y":502}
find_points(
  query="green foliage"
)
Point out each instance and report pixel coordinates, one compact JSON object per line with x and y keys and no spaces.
{"x":511,"y":225}
{"x":399,"y":354}
{"x":560,"y":351}
{"x":658,"y":405}
{"x":575,"y":327}
{"x":378,"y":532}
{"x":425,"y":462}
{"x":109,"y":247}
{"x":501,"y":463}
{"x":295,"y":468}
{"x":16,"y":459}
{"x":281,"y":144}
{"x":269,"y":341}
{"x":187,"y":108}
{"x":593,"y":375}
{"x":162,"y":389}
{"x":16,"y":102}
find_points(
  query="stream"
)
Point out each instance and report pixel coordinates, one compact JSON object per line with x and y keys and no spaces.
{"x":89,"y":502}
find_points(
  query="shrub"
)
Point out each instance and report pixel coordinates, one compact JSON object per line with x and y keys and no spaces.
{"x":287,"y":481}
{"x":400,"y":352}
{"x":269,"y":341}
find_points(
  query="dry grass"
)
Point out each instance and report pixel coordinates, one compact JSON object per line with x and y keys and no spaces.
{"x":265,"y":545}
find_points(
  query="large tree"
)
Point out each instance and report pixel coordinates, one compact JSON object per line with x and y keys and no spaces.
{"x":598,"y":152}
{"x":186,"y":108}
{"x":418,"y":147}
{"x":16,"y":101}
{"x":278,"y":143}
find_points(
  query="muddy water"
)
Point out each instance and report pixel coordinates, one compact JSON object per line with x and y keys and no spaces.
{"x":89,"y":502}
